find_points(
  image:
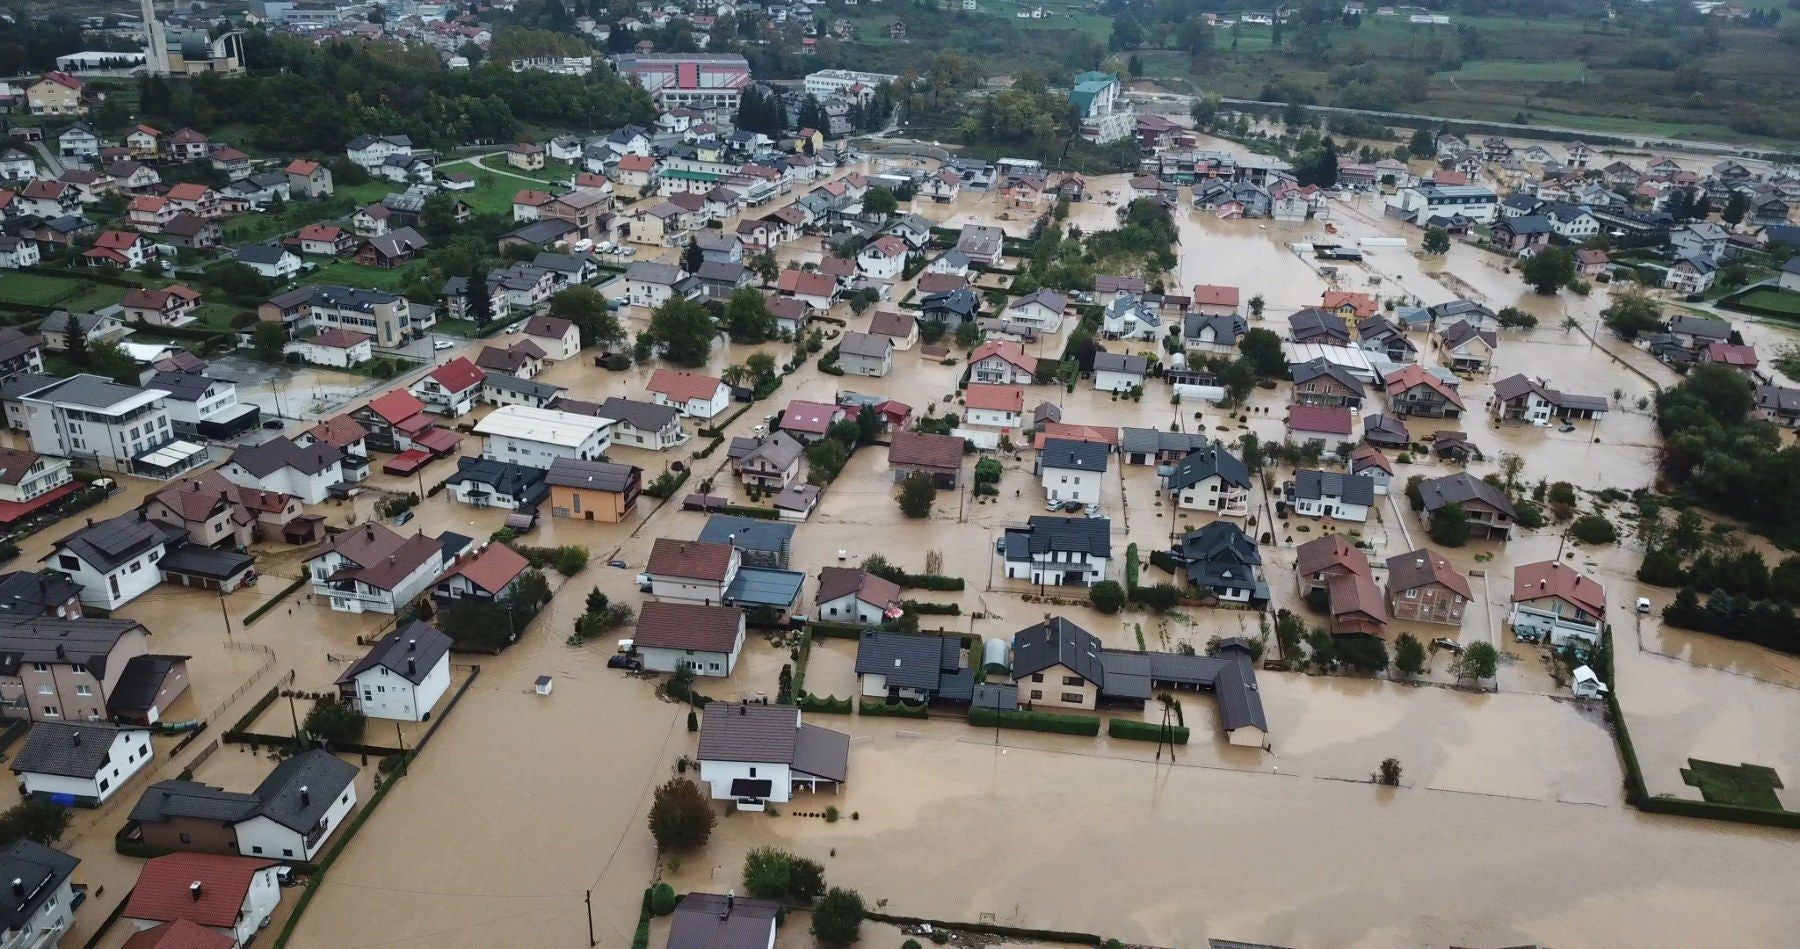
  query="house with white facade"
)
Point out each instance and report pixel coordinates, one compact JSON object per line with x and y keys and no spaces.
{"x":94,"y":420}
{"x":401,"y":677}
{"x":526,"y":435}
{"x":80,"y":764}
{"x":706,"y":639}
{"x":371,"y":568}
{"x":1332,"y":494}
{"x":1210,"y":479}
{"x":1072,"y":470}
{"x":1041,"y":311}
{"x":225,"y":897}
{"x":756,"y":755}
{"x":994,"y":406}
{"x":452,"y":389}
{"x":1119,"y":372}
{"x":690,"y":393}
{"x":1058,"y":551}
{"x":1002,"y":362}
{"x":281,"y":464}
{"x":856,"y":596}
{"x":43,"y":904}
{"x":1554,"y":602}
{"x":648,"y":425}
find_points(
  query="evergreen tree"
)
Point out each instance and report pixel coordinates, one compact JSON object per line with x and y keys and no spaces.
{"x":691,"y":257}
{"x":76,"y":339}
{"x":481,"y":306}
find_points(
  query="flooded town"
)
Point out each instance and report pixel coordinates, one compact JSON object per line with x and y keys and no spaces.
{"x":793,"y":540}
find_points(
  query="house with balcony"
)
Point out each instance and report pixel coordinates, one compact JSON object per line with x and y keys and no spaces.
{"x":1212,"y":479}
{"x":1489,"y":510}
{"x":403,"y":676}
{"x":1058,"y":551}
{"x":371,"y":568}
{"x":1557,"y":603}
{"x":1221,"y":561}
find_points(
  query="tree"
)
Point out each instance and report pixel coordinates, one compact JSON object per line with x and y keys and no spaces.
{"x":75,"y":340}
{"x":331,"y":721}
{"x":806,"y":879}
{"x":1409,"y":654}
{"x":761,"y":366}
{"x":1512,"y":465}
{"x":680,"y":816}
{"x":1107,"y":596}
{"x":684,"y":331}
{"x":1594,"y":528}
{"x":825,"y":458}
{"x":1631,"y":312}
{"x":1437,"y":242}
{"x":1126,"y":34}
{"x":34,"y":818}
{"x":747,"y":317}
{"x":1389,"y":775}
{"x":662,"y":899}
{"x":916,"y":494}
{"x":1134,"y":66}
{"x":1238,"y":377}
{"x":691,"y":256}
{"x":767,"y":872}
{"x":1479,"y":661}
{"x":1735,"y":208}
{"x":968,"y":335}
{"x":587,"y":309}
{"x":1450,"y":526}
{"x":880,"y":201}
{"x":481,"y":305}
{"x":766,"y":266}
{"x":1262,"y":348}
{"x":1511,"y":317}
{"x":1422,"y":145}
{"x":1319,"y":167}
{"x":1549,"y":270}
{"x":269,"y":340}
{"x":837,"y":919}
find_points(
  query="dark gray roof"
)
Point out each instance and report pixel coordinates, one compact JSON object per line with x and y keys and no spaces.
{"x":109,"y":543}
{"x":649,"y":272}
{"x":1460,"y":308}
{"x":1462,"y":331}
{"x":141,"y":684}
{"x":526,"y":387}
{"x":28,"y":595}
{"x":773,"y":734}
{"x":1313,"y":322}
{"x":643,"y":416}
{"x":88,"y":390}
{"x":711,"y":921}
{"x":166,"y":799}
{"x":1516,"y":385}
{"x":1121,"y":362}
{"x":1149,"y":440}
{"x":67,"y":749}
{"x":1066,"y":453}
{"x":747,"y":533}
{"x":26,"y":383}
{"x":1459,"y":488}
{"x":1042,"y":535}
{"x":597,"y":475}
{"x":1526,"y":224}
{"x":1313,"y":485}
{"x":914,"y":661}
{"x":865,"y":344}
{"x":323,"y":776}
{"x":40,"y":870}
{"x":1226,"y":328}
{"x":1203,"y":463}
{"x":184,"y":386}
{"x":283,"y":452}
{"x":1705,"y":327}
{"x":1772,"y":398}
{"x":1057,"y":641}
{"x":504,"y":477}
{"x":1314,"y":368}
{"x":410,"y":652}
{"x":49,"y":639}
{"x":261,"y":253}
{"x":1385,"y":430}
{"x":1221,"y":556}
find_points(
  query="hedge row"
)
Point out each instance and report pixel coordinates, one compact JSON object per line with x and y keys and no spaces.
{"x":895,"y":709}
{"x":919,"y":581}
{"x":835,"y":631}
{"x":1145,"y":731}
{"x":823,"y":704}
{"x":268,"y":699}
{"x":1036,"y":721}
{"x":1019,"y":932}
{"x":286,"y":592}
{"x":931,"y":609}
{"x":744,"y":510}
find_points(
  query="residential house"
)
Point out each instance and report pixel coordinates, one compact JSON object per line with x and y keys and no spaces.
{"x":20,"y":354}
{"x":269,"y":260}
{"x":30,"y":481}
{"x":1380,"y":336}
{"x":1330,"y":494}
{"x":532,"y":436}
{"x":87,"y":418}
{"x":1072,"y":470}
{"x":1415,"y":390}
{"x":282,"y":465}
{"x":1119,"y":372}
{"x":484,"y":482}
{"x":370,"y":568}
{"x":1386,"y":431}
{"x":1329,"y":425}
{"x":901,"y":328}
{"x":168,"y":306}
{"x":857,"y":597}
{"x":1553,"y":601}
{"x":993,"y":406}
{"x":712,"y":921}
{"x":1128,"y":317}
{"x":1737,"y":357}
{"x":1423,"y":586}
{"x":522,"y":359}
{"x":593,"y":490}
{"x":939,"y":456}
{"x":690,"y":393}
{"x":705,"y":638}
{"x":80,"y":764}
{"x":390,"y":250}
{"x":651,"y":285}
{"x":1698,"y":332}
{"x":42,"y":908}
{"x":952,"y":308}
{"x":1523,"y":236}
{"x":1221,"y":561}
{"x":402,"y":677}
{"x":1216,"y":334}
{"x":1690,"y":275}
{"x":218,"y":513}
{"x":755,"y":755}
{"x":883,"y":258}
{"x":1521,"y":399}
{"x":94,"y":327}
{"x":122,"y":249}
{"x":337,"y":347}
{"x":1155,"y":446}
{"x":1040,"y":311}
{"x":1058,"y":551}
{"x":18,"y":252}
{"x":308,"y":178}
{"x":645,"y":425}
{"x":771,"y":463}
{"x":326,"y":239}
{"x":818,"y":291}
{"x":223,"y":895}
{"x":1320,"y":561}
{"x":452,"y":389}
{"x":865,"y":354}
{"x":1002,"y":362}
{"x":1318,"y":325}
{"x":1320,"y":382}
{"x":1702,"y":239}
{"x":1777,"y":404}
{"x":1489,"y":511}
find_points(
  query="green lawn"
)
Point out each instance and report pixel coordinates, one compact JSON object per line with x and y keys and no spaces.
{"x":29,"y":289}
{"x":1785,"y":301}
{"x":291,"y":216}
{"x":349,"y":273}
{"x":1745,"y":785}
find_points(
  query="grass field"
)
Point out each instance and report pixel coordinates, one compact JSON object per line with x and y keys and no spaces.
{"x":29,"y":289}
{"x":1747,"y":785}
{"x":349,"y":273}
{"x":1785,"y":301}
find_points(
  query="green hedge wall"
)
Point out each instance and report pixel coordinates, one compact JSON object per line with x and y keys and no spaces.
{"x":1144,"y":731}
{"x":1036,"y":721}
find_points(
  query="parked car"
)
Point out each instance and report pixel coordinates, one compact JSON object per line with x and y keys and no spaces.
{"x":1566,"y":427}
{"x":442,"y":344}
{"x":515,"y":327}
{"x":1072,"y":507}
{"x":616,"y":563}
{"x":1444,"y":642}
{"x":621,"y":661}
{"x":1643,"y":604}
{"x":274,"y":424}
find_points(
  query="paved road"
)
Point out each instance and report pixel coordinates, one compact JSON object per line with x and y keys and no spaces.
{"x":1719,"y":148}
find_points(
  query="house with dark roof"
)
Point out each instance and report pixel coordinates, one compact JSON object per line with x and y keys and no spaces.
{"x":1383,"y":337}
{"x":760,"y":543}
{"x":1119,"y":372}
{"x":224,"y":895}
{"x":302,"y":801}
{"x":499,"y":388}
{"x":1323,"y":382}
{"x":1210,"y":479}
{"x":1204,"y":332}
{"x":42,"y":905}
{"x":593,"y":490}
{"x":1317,"y":325}
{"x":1057,"y":664}
{"x":1467,"y":348}
{"x":771,"y":463}
{"x":711,"y":921}
{"x":705,"y":638}
{"x":27,"y":595}
{"x":485,"y":482}
{"x":1415,"y":390}
{"x":1332,"y":494}
{"x":755,"y":755}
{"x":215,"y":512}
{"x":524,"y":359}
{"x":30,"y":481}
{"x":1222,"y":561}
{"x":370,"y":568}
{"x":80,"y":765}
{"x":406,"y":672}
{"x":913,"y":667}
{"x":1155,"y":446}
{"x":282,"y":465}
{"x":1489,"y":510}
{"x":1073,"y":470}
{"x":1058,"y":551}
{"x":116,"y":560}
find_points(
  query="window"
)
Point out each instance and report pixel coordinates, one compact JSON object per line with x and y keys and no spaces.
{"x":1412,"y":594}
{"x":68,"y":562}
{"x":51,"y":712}
{"x":256,"y":850}
{"x":1037,"y":693}
{"x":84,"y":690}
{"x":185,"y":838}
{"x":105,"y":783}
{"x":753,"y":772}
{"x":1072,"y":697}
{"x":1039,"y":677}
{"x":1073,"y":680}
{"x":286,"y":852}
{"x":46,"y":689}
{"x":40,"y":667}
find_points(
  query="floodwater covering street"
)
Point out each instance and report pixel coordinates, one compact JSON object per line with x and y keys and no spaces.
{"x":1509,"y":826}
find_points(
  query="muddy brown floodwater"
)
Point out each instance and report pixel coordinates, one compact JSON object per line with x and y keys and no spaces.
{"x":1510,"y":827}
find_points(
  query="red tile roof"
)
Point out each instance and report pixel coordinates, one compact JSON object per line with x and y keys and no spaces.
{"x":682,"y":386}
{"x":689,"y":559}
{"x":338,"y":337}
{"x":339,"y":432}
{"x":180,"y":934}
{"x":533,"y":198}
{"x":637,"y":163}
{"x":163,"y":892}
{"x":492,"y":569}
{"x":925,"y":450}
{"x":1328,"y":419}
{"x":302,"y":167}
{"x":458,"y":374}
{"x":663,"y":625}
{"x":1731,"y":355}
{"x":321,"y":232}
{"x":1208,"y":294}
{"x":188,"y":191}
{"x":396,"y":406}
{"x":1414,"y":375}
{"x":1364,"y":304}
{"x":801,"y":282}
{"x":998,"y":398}
{"x":1007,"y":351}
{"x":1533,"y":581}
{"x":1097,"y":434}
{"x":812,"y":418}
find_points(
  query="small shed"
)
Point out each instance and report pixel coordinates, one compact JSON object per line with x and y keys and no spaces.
{"x":1586,"y":684}
{"x":543,"y":685}
{"x":993,"y":657}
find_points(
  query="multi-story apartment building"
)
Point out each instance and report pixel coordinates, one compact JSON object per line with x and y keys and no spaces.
{"x":88,"y":418}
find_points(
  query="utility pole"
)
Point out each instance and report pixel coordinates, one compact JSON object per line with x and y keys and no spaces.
{"x":294,"y":715}
{"x":590,"y":915}
{"x":224,"y":612}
